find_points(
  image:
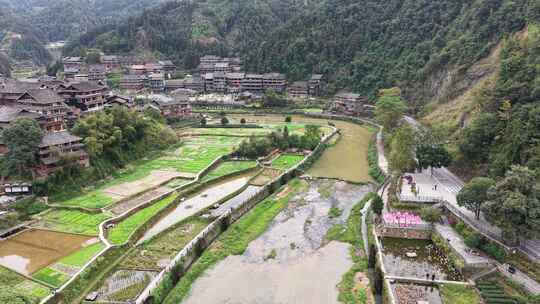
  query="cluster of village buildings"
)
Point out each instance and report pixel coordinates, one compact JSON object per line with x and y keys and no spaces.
{"x":57,"y":104}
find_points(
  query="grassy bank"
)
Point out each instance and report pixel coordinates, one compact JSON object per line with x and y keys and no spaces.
{"x":351,"y":232}
{"x":458,"y":294}
{"x":234,"y":241}
{"x":229,"y":167}
{"x":122,"y":231}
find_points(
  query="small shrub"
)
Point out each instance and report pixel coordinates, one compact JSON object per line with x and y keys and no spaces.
{"x":288,"y":119}
{"x":243,"y":121}
{"x":335,"y":212}
{"x":474,"y":240}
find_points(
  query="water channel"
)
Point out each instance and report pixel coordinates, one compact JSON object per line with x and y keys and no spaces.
{"x":198,"y":202}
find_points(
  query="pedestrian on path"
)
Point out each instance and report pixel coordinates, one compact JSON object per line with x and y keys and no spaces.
{"x":435,"y":187}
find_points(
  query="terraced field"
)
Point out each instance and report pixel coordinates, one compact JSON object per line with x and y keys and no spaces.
{"x":61,"y":271}
{"x":493,"y":293}
{"x":287,"y":161}
{"x":72,"y":221}
{"x":123,"y":230}
{"x":227,"y":168}
{"x":194,"y":155}
{"x":18,"y":289}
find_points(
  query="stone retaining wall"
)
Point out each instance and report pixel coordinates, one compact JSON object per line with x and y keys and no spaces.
{"x":405,"y":233}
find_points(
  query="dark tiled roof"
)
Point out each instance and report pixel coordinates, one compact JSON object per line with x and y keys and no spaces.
{"x":317,"y":77}
{"x":179,"y":99}
{"x":85,"y":86}
{"x":274,"y":76}
{"x":109,"y":58}
{"x":12,"y":112}
{"x":299,"y":84}
{"x":45,"y":96}
{"x":235,"y":75}
{"x":256,"y":76}
{"x":58,"y":138}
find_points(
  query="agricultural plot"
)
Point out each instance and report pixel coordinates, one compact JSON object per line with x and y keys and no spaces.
{"x":265,"y":176}
{"x":193,"y":156}
{"x":18,"y":289}
{"x":72,"y":221}
{"x":199,"y":152}
{"x":493,"y":293}
{"x":123,"y":230}
{"x":227,"y":168}
{"x":124,"y":285}
{"x":246,"y":132}
{"x":157,"y":252}
{"x":287,"y":161}
{"x":61,"y":271}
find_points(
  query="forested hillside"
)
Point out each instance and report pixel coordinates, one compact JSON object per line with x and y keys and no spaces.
{"x":184,"y":30}
{"x":63,"y":19}
{"x":20,"y":41}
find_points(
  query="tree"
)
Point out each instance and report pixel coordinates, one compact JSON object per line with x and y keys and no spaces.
{"x":432,"y":156}
{"x":402,"y":150}
{"x":478,"y":137}
{"x":474,"y":194}
{"x":22,"y":138}
{"x":431,"y":214}
{"x":272,"y":99}
{"x":390,"y":109}
{"x":288,"y":119}
{"x":377,"y":205}
{"x":93,"y":58}
{"x":224,"y":121}
{"x":243,"y":121}
{"x":514,"y":204}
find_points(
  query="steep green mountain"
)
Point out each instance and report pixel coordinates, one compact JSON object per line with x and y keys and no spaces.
{"x":62,"y":19}
{"x":469,"y":67}
{"x":20,"y":41}
{"x":183,"y":30}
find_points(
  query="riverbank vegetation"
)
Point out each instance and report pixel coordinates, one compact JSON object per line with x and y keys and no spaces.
{"x":283,"y":140}
{"x":351,"y":233}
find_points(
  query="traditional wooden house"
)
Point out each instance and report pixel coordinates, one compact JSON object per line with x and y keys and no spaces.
{"x":72,"y":63}
{"x":316,"y":84}
{"x":86,"y":96}
{"x":121,"y":101}
{"x":274,"y":81}
{"x":48,"y":104}
{"x":220,"y":82}
{"x":208,"y":79}
{"x":10,"y":113}
{"x":156,"y":82}
{"x":234,"y":82}
{"x":110,"y":62}
{"x":349,"y":104}
{"x":132,"y":82}
{"x":298,"y":90}
{"x":56,"y":145}
{"x":253,"y":83}
{"x":97,"y":72}
{"x":179,"y":107}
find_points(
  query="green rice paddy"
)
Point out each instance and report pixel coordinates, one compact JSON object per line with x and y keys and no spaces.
{"x":287,"y":161}
{"x":81,"y":257}
{"x":73,"y":221}
{"x":51,"y":276}
{"x":17,"y":289}
{"x":164,"y":246}
{"x":229,"y":167}
{"x":123,"y":230}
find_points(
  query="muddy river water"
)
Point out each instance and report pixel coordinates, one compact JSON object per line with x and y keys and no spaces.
{"x":290,"y":262}
{"x":346,"y":160}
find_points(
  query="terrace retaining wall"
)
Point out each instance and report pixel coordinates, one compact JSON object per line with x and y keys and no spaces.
{"x":405,"y":233}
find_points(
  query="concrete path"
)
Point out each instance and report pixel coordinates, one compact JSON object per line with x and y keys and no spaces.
{"x":383,"y":162}
{"x":457,"y":243}
{"x":529,"y":284}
